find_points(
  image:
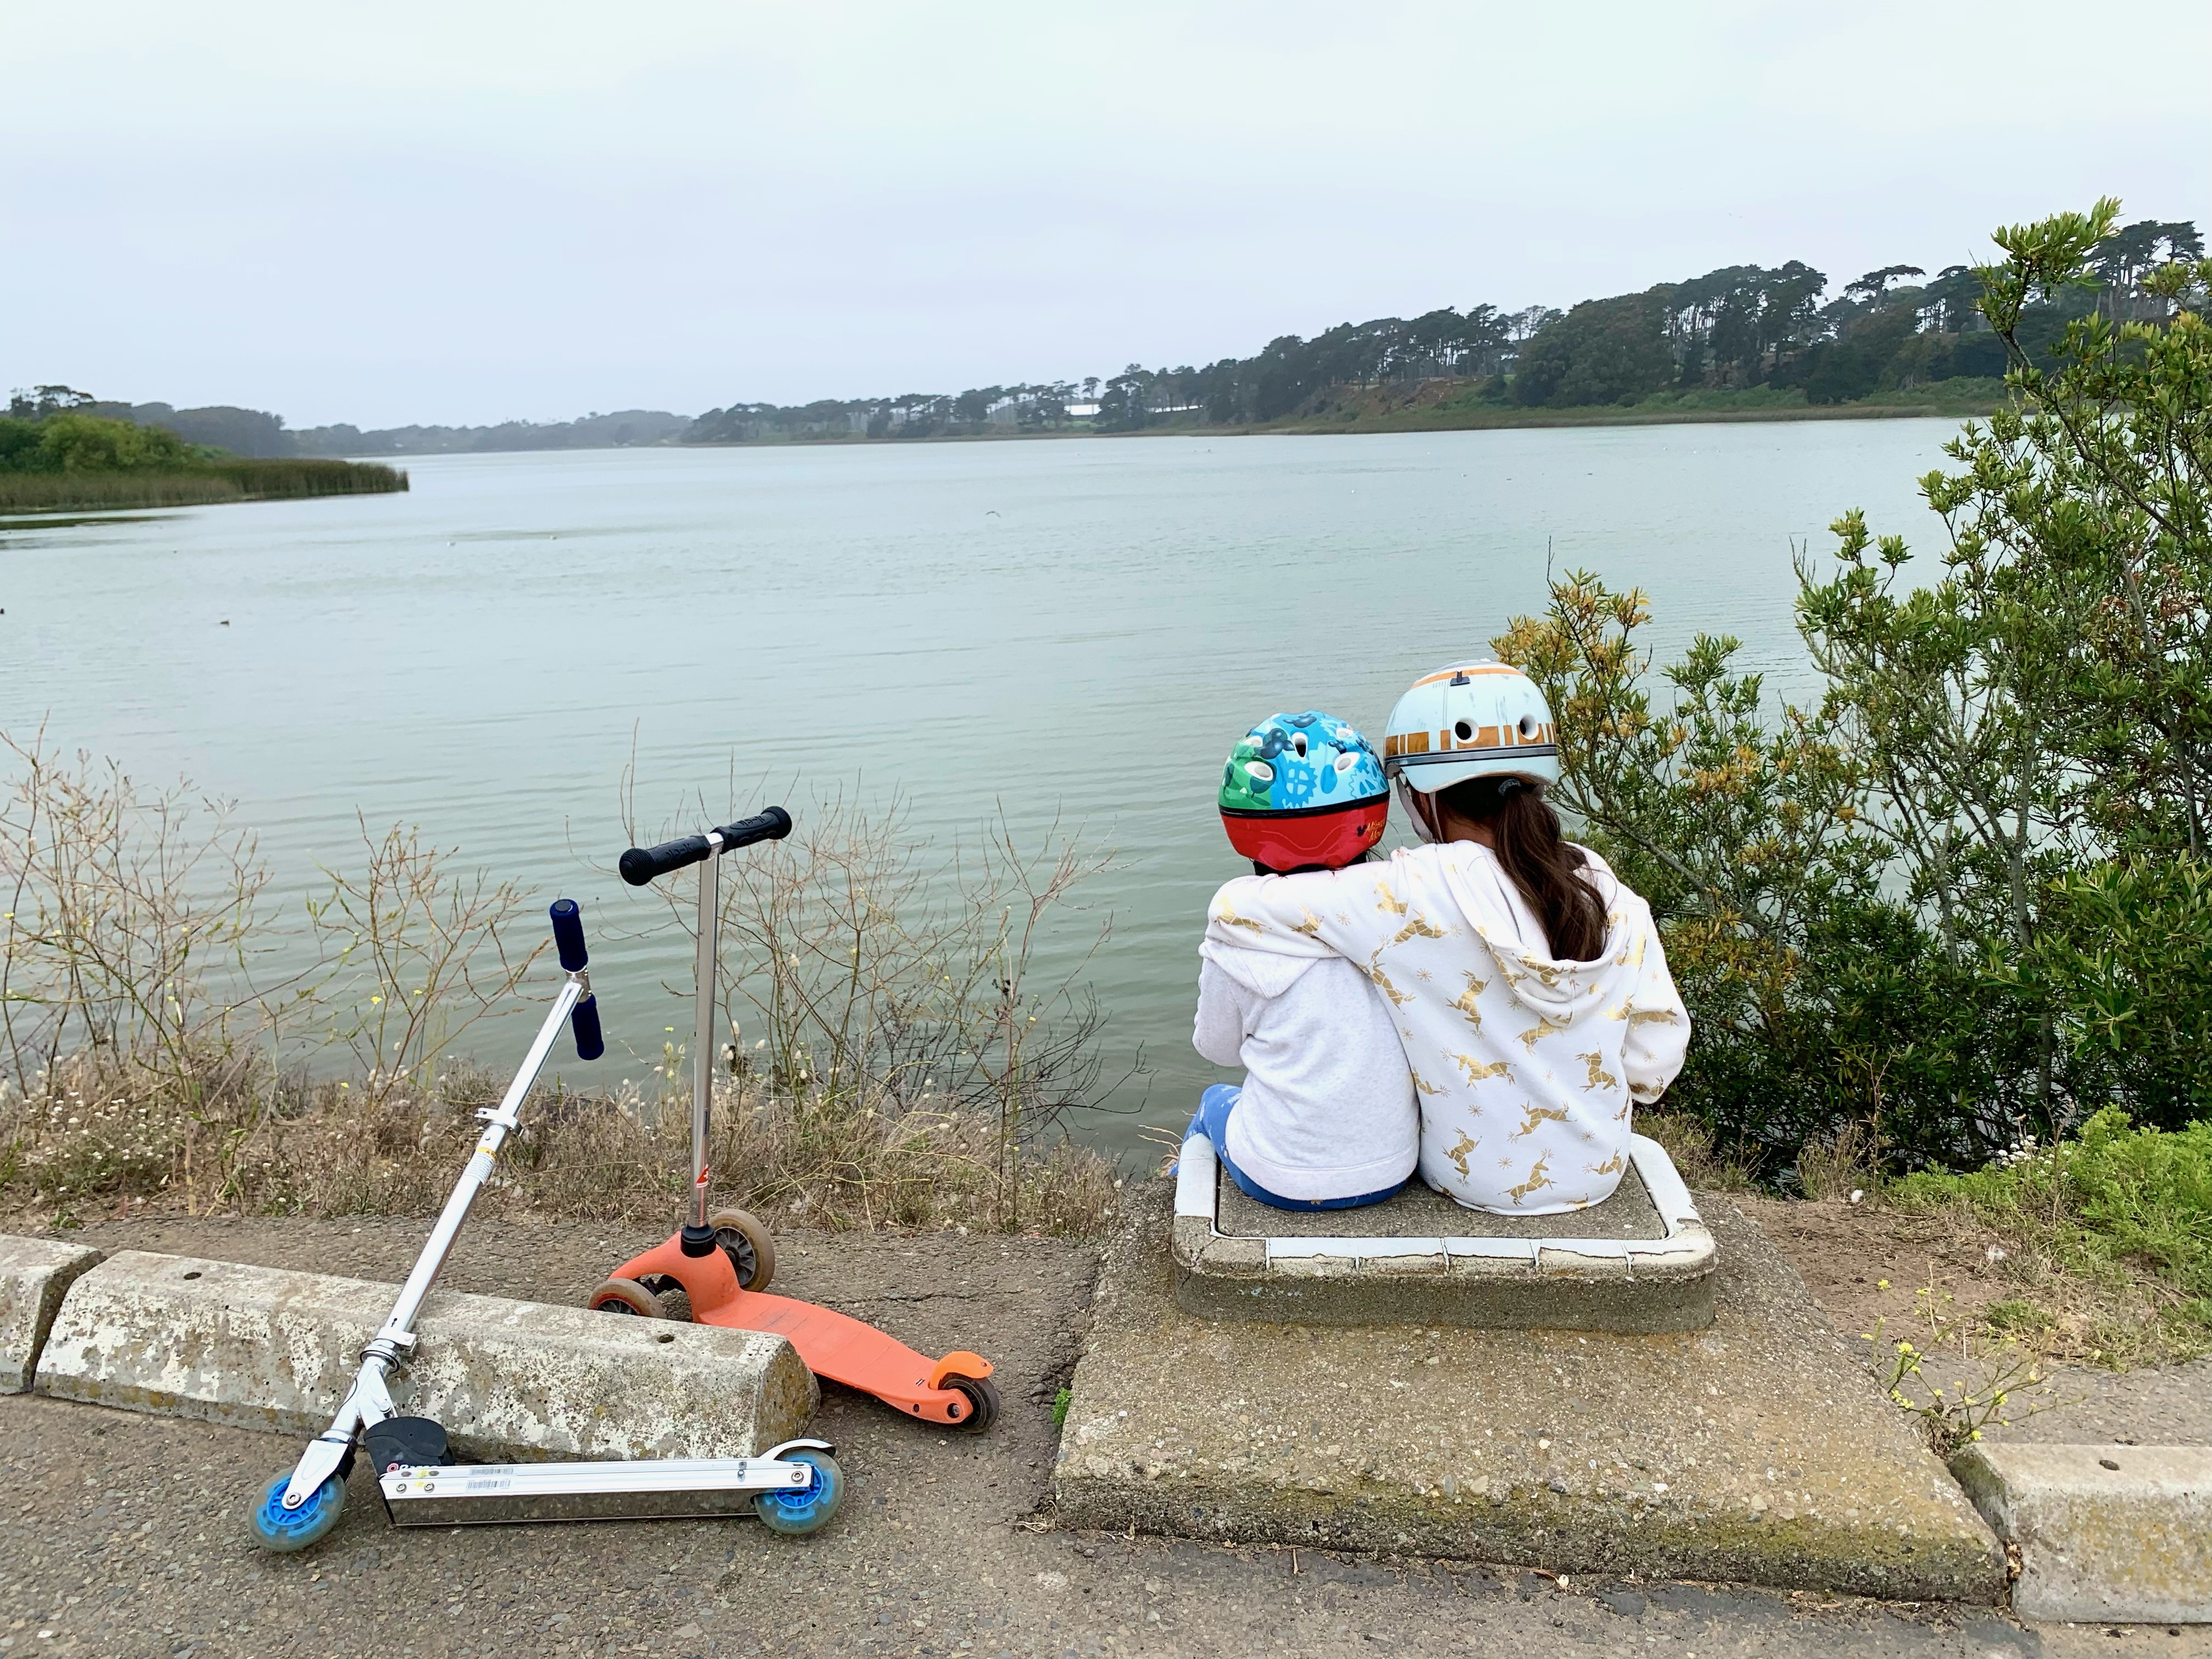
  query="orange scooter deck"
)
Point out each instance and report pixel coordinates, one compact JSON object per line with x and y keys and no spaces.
{"x":833,"y":1344}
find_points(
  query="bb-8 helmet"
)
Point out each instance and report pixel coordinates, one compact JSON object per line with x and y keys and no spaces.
{"x":1475,"y":720}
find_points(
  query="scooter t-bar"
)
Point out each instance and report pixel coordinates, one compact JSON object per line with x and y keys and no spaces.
{"x":640,"y":866}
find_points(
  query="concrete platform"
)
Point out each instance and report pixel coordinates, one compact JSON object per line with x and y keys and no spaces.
{"x":1642,"y":1260}
{"x":34,"y":1274}
{"x":1759,"y":1451}
{"x":2106,"y":1534}
{"x":261,"y":1347}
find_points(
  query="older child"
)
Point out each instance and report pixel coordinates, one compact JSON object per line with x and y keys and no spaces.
{"x":1526,"y":983}
{"x":1325,"y":1118}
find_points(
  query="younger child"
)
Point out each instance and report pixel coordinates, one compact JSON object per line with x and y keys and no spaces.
{"x":1325,"y":1119}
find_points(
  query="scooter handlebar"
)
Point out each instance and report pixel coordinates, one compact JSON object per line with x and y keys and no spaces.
{"x":568,"y":935}
{"x":568,"y":939}
{"x":641,"y":864}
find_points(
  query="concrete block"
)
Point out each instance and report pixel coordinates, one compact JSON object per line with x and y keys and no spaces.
{"x":1642,"y":1260}
{"x":1758,"y":1450}
{"x":259,"y":1347}
{"x":2106,"y":1535}
{"x":34,"y":1274}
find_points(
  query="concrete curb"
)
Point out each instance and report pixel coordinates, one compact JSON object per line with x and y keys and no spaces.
{"x":34,"y":1272}
{"x":2106,"y":1534}
{"x":259,"y":1347}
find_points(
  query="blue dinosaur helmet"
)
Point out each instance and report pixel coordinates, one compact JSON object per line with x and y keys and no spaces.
{"x":1310,"y":767}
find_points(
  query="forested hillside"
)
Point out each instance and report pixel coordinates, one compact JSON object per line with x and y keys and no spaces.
{"x":1763,"y":338}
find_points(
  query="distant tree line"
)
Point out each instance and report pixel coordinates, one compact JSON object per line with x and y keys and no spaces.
{"x":257,"y":435}
{"x":982,"y":410}
{"x":624,"y":429}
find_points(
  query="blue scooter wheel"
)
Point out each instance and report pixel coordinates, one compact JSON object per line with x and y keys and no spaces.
{"x":796,"y":1511}
{"x":284,"y":1530}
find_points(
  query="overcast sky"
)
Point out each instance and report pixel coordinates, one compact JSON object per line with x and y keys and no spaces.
{"x":469,"y":212}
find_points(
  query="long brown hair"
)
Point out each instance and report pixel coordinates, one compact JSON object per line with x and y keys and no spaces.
{"x":1542,"y":864}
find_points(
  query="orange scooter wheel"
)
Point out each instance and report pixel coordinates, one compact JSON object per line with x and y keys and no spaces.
{"x":747,"y":1243}
{"x":982,"y":1396}
{"x":626,"y":1295}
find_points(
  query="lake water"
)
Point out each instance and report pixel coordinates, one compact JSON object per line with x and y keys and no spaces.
{"x":1078,"y":626}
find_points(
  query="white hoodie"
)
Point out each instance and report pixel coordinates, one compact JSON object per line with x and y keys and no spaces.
{"x":1327,"y":1109}
{"x":1526,"y":1067}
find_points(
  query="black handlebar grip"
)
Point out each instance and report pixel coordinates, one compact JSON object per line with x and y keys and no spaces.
{"x":584,"y":1020}
{"x":641,"y":864}
{"x":568,"y":935}
{"x":773,"y":824}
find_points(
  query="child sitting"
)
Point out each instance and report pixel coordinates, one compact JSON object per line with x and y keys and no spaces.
{"x":1526,"y":981}
{"x":1325,"y":1119}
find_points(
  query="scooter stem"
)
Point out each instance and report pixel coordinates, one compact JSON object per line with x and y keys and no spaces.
{"x":696,"y":1232}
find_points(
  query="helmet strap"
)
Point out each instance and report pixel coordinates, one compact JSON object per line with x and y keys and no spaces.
{"x":1417,"y":807}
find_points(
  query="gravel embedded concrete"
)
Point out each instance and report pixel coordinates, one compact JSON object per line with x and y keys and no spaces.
{"x":1759,"y":1451}
{"x":269,"y":1348}
{"x":2104,"y":1533}
{"x":34,"y":1272}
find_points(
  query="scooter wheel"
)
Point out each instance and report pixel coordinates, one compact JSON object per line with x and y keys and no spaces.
{"x":747,"y":1243}
{"x":795,"y":1512}
{"x":626,"y":1295}
{"x":983,"y":1403}
{"x":284,"y":1530}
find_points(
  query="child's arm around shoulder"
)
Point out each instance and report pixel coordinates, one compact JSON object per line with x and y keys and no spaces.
{"x":1324,"y":913}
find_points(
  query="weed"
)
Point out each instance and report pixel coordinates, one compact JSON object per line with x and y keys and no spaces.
{"x":2008,"y":1384}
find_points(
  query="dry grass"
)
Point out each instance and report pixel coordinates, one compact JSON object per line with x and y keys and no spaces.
{"x":1695,"y":1152}
{"x":92,"y":1144}
{"x":892,"y":1057}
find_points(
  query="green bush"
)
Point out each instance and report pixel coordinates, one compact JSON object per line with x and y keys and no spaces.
{"x":1966,"y":896}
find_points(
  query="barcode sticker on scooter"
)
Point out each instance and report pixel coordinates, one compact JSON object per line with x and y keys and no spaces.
{"x":486,"y":1486}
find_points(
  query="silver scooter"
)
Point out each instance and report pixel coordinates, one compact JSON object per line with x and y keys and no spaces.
{"x":794,"y":1488}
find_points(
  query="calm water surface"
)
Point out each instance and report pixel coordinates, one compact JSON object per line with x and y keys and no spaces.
{"x":1078,"y":628}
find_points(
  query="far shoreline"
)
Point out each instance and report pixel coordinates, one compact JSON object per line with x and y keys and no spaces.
{"x":1470,"y":421}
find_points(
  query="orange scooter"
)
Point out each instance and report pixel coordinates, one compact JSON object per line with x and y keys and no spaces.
{"x":722,"y":1261}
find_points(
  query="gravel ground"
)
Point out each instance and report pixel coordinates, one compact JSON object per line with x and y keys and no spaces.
{"x":123,"y":1534}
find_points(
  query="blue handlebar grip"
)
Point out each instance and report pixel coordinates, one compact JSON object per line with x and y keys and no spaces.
{"x":569,"y":934}
{"x":584,"y":1019}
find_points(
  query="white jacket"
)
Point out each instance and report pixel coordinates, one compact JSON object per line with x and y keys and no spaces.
{"x":1526,"y":1067}
{"x":1327,"y":1109}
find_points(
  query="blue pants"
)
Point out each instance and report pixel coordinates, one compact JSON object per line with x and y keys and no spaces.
{"x":1212,"y":1120}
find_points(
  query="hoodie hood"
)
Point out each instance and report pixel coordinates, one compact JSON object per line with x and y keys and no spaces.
{"x":1259,"y":971}
{"x":1493,"y":906}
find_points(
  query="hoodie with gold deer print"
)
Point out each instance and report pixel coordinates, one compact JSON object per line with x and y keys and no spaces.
{"x":1527,"y":1067}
